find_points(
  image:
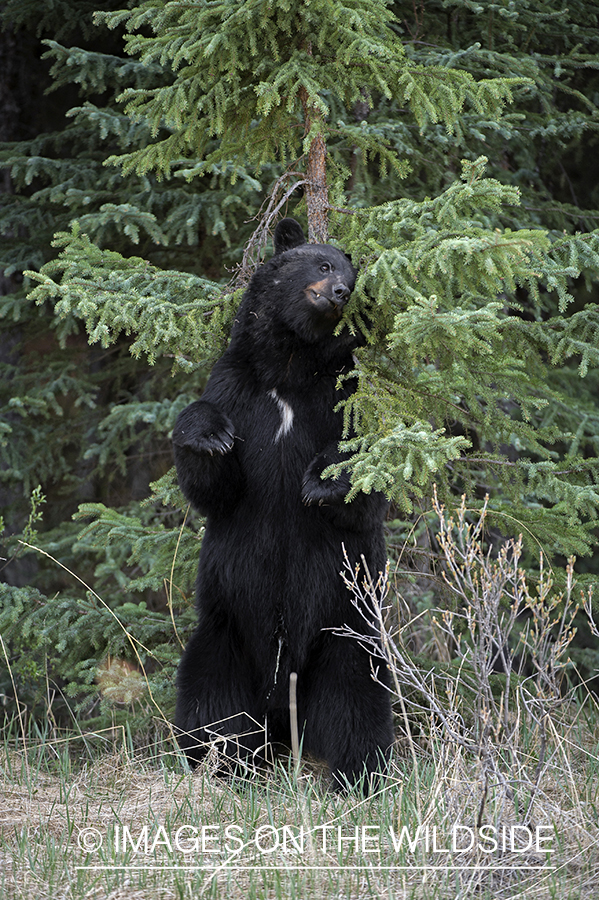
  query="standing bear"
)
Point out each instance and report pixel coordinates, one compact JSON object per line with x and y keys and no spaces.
{"x":270,"y":596}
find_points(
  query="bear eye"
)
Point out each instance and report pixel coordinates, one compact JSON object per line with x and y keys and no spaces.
{"x":326,"y":267}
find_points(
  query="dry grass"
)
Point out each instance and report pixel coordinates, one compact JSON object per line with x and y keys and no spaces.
{"x":472,"y":752}
{"x":48,"y":809}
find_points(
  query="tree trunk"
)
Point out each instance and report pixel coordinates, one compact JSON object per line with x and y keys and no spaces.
{"x":317,"y":194}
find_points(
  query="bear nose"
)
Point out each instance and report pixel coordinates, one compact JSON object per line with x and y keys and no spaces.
{"x":340,"y":294}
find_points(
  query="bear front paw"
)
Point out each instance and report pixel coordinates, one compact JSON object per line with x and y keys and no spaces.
{"x":321,"y":492}
{"x":213,"y":442}
{"x":204,"y":429}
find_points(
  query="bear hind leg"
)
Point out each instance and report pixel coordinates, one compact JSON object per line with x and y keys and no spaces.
{"x":347,"y":713}
{"x":216,"y":706}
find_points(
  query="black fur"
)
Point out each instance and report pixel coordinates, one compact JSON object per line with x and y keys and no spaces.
{"x":269,"y":591}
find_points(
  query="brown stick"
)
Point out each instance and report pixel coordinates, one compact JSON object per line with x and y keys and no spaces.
{"x":295,"y":752}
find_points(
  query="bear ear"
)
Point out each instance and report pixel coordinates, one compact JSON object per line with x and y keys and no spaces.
{"x":288,"y":234}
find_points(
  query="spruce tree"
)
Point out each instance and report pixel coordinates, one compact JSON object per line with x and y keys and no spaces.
{"x":441,"y":146}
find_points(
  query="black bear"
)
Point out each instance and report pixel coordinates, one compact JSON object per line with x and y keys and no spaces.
{"x":249,"y":456}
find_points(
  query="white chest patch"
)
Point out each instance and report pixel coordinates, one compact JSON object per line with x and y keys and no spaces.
{"x":286,"y":416}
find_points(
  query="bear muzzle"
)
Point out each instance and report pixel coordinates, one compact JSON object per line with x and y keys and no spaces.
{"x":328,"y":297}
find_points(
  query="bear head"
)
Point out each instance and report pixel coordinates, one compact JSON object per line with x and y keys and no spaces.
{"x":320,"y":279}
{"x":303,"y":288}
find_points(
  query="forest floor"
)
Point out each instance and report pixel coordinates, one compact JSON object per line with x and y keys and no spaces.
{"x":75,"y":823}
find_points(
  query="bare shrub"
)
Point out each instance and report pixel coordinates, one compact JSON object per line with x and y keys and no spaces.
{"x":495,"y":704}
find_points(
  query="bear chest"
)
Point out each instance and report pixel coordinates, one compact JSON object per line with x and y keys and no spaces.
{"x":279,"y":434}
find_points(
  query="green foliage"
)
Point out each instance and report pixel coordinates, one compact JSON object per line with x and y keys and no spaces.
{"x":63,"y":641}
{"x":474,"y":366}
{"x":239,"y":71}
{"x":168,"y":311}
{"x":66,"y":642}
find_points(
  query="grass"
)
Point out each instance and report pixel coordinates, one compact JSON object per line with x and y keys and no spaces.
{"x":493,"y":791}
{"x":76,"y":823}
